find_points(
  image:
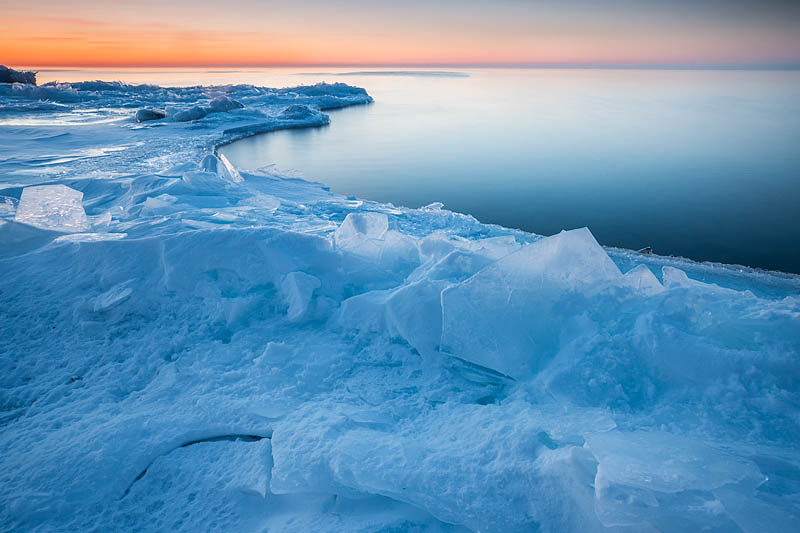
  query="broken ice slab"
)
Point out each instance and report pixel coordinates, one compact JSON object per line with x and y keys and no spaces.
{"x":360,"y":226}
{"x":297,"y":289}
{"x":52,"y":207}
{"x":509,"y":316}
{"x":367,"y":236}
{"x":7,"y":206}
{"x":652,"y":477}
{"x":144,"y":115}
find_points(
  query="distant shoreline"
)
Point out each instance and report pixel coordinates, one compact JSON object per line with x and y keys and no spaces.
{"x":401,"y":67}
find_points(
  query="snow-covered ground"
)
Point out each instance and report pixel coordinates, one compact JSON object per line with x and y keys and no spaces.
{"x":188,"y":346}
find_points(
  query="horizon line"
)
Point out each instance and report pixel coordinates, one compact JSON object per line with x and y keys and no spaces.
{"x":510,"y":65}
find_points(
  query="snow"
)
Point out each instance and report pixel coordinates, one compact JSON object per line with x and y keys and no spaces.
{"x":187,"y":345}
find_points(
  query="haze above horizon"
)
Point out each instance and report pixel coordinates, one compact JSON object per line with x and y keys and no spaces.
{"x":469,"y":33}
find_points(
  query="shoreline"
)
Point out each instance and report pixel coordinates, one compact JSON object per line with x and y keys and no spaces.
{"x":734,"y":269}
{"x":229,"y":136}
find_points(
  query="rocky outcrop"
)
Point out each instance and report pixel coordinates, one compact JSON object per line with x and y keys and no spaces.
{"x":9,"y":75}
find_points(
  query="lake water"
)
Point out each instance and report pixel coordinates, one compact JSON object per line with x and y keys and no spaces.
{"x":703,"y":164}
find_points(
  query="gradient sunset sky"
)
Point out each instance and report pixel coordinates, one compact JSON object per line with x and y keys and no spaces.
{"x":412,"y":32}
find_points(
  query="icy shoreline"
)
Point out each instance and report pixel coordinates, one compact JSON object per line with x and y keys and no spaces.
{"x":187,"y":345}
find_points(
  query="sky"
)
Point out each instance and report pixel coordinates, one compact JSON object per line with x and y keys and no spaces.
{"x":405,"y":32}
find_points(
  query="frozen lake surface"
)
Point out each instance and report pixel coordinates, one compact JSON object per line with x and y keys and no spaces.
{"x":186,"y":344}
{"x":701,"y":164}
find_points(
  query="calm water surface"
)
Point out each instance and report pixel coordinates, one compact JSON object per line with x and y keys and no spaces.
{"x":703,"y":164}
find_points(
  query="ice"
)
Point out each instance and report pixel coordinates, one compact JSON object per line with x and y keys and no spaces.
{"x":359,"y":227}
{"x":113,"y":297}
{"x":160,"y":203}
{"x":510,"y":316}
{"x":185,"y":115}
{"x":90,"y":237}
{"x":144,"y":115}
{"x":9,"y":75}
{"x":652,"y":477}
{"x":187,"y":345}
{"x":53,"y":207}
{"x":475,"y":468}
{"x":232,"y":473}
{"x":297,"y":289}
{"x":227,"y":171}
{"x":297,"y":112}
{"x":643,"y":280}
{"x":221,"y":104}
{"x":7,"y":206}
{"x":367,"y":235}
{"x":55,"y":92}
{"x":674,"y":277}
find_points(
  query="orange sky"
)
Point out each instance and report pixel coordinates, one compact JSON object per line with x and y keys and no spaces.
{"x":252,"y":32}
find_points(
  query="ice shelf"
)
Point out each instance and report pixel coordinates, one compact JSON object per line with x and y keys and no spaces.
{"x":209,"y":348}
